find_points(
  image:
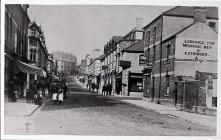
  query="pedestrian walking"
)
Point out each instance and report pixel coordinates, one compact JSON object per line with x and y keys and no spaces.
{"x":109,"y":89}
{"x":93,"y":86}
{"x":65,"y":89}
{"x":96,"y":87}
{"x":104,"y":88}
{"x":60,"y":96}
{"x":118,"y":89}
{"x":54,"y":94}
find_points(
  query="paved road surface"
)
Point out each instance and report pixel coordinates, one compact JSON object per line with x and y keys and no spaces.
{"x":85,"y":113}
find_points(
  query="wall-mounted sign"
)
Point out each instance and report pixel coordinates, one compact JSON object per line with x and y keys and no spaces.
{"x":196,"y":50}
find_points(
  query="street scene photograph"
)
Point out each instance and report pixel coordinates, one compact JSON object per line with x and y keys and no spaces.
{"x":110,"y":70}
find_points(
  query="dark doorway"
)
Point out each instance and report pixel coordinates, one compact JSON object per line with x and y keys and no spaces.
{"x":190,"y":94}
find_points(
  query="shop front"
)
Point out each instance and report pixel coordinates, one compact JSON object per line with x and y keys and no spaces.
{"x":135,"y":84}
{"x":9,"y":77}
{"x":20,"y":71}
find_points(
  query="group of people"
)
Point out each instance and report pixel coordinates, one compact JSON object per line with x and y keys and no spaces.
{"x":93,"y":86}
{"x":40,"y":89}
{"x":59,"y":92}
{"x":107,"y":89}
{"x":37,"y":91}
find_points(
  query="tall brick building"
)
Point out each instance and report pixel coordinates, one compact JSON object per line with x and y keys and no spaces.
{"x":130,"y":77}
{"x":168,"y":62}
{"x":16,"y":48}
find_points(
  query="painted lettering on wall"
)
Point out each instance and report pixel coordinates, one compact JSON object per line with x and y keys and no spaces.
{"x":196,"y":50}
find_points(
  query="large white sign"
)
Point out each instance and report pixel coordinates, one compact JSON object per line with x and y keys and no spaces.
{"x":196,"y":50}
{"x":193,"y":55}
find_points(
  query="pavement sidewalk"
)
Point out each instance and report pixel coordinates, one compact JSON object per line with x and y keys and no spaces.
{"x":209,"y":121}
{"x":17,"y":116}
{"x":19,"y":108}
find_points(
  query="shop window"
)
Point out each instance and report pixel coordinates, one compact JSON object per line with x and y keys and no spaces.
{"x":141,"y":59}
{"x":154,"y":54}
{"x":136,"y":84}
{"x":214,"y":101}
{"x":212,"y":25}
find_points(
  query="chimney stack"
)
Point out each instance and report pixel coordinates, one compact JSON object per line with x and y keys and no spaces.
{"x":139,"y":23}
{"x":199,"y":15}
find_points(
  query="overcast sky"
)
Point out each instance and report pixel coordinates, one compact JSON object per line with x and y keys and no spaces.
{"x":79,"y":29}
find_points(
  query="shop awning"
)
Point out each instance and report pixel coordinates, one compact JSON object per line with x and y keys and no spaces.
{"x":26,"y":68}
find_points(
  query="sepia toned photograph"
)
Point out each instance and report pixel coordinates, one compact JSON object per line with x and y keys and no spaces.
{"x":109,"y":70}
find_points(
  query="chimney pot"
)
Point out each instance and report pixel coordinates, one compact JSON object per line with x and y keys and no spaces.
{"x":199,"y":15}
{"x":139,"y":23}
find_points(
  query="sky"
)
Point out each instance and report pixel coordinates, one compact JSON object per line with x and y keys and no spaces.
{"x":79,"y":29}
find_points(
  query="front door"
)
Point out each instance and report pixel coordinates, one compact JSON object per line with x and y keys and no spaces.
{"x":190,"y":94}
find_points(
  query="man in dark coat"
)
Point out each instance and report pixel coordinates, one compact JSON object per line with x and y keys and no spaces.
{"x":65,"y":89}
{"x":109,"y":89}
{"x":104,"y":88}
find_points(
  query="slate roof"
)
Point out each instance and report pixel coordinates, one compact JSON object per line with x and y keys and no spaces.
{"x":137,"y":47}
{"x":187,"y":11}
{"x":101,"y":57}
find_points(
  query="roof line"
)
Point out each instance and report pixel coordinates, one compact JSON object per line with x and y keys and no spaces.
{"x":170,"y":10}
{"x":163,"y":13}
{"x":173,"y":15}
{"x":132,"y":51}
{"x":178,"y":32}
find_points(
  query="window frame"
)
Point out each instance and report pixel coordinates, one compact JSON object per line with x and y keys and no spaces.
{"x":143,"y":61}
{"x":168,"y":51}
{"x":154,"y":54}
{"x":167,"y":84}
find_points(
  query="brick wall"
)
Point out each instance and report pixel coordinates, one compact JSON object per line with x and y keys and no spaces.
{"x":134,"y":58}
{"x":150,"y":28}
